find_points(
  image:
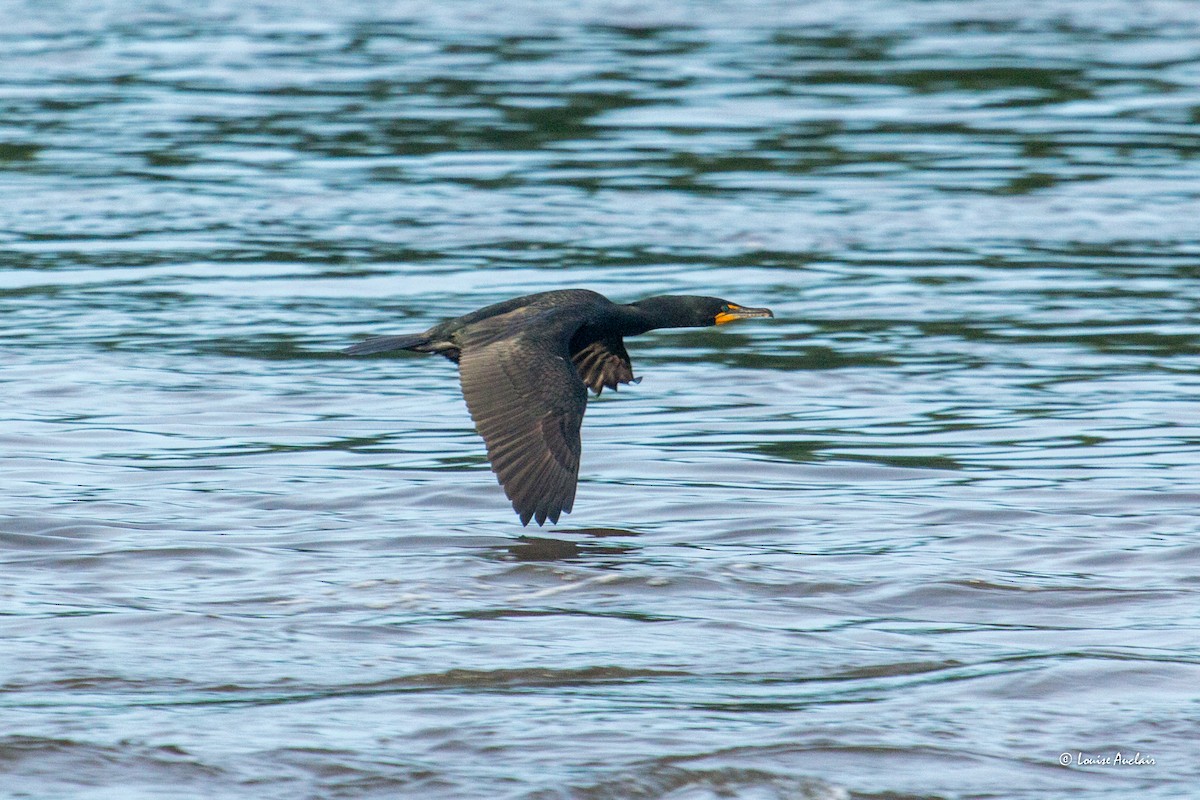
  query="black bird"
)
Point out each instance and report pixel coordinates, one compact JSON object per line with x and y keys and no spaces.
{"x":524,"y":365}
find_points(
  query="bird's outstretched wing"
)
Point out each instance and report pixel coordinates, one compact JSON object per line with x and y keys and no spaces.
{"x":527,"y":401}
{"x":604,"y":363}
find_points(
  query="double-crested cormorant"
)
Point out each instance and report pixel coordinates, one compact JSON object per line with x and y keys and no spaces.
{"x":524,"y":366}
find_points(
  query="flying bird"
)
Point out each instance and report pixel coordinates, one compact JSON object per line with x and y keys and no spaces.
{"x":526,"y":364}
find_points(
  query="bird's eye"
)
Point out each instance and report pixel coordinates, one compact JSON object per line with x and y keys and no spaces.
{"x":724,"y":308}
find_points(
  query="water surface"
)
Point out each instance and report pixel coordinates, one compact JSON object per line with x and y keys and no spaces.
{"x":928,"y":530}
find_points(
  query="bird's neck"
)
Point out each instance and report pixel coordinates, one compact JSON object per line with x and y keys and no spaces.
{"x":633,"y":320}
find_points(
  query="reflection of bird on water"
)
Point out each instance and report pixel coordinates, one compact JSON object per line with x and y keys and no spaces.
{"x":524,"y":365}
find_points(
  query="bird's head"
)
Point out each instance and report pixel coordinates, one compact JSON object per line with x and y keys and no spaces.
{"x":689,"y":311}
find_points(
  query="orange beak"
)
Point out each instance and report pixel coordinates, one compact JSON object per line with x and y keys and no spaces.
{"x":741,"y":312}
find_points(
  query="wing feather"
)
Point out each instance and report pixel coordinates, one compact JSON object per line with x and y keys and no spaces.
{"x":604,"y":364}
{"x":527,"y":400}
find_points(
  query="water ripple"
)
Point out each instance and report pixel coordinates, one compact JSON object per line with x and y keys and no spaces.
{"x":920,"y":535}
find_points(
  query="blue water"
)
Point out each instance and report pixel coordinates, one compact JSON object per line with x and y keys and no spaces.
{"x":928,"y":531}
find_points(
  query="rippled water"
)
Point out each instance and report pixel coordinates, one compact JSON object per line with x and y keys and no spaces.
{"x":929,"y":529}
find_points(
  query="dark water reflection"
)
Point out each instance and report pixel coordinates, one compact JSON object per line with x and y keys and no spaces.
{"x":926,"y":531}
{"x":542,"y":548}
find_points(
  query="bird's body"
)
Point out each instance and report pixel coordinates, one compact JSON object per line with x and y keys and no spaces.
{"x":525,"y":366}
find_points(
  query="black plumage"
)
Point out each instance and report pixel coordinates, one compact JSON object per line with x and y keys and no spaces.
{"x":525,"y":367}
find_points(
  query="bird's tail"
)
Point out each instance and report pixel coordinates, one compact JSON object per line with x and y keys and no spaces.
{"x":380,"y":344}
